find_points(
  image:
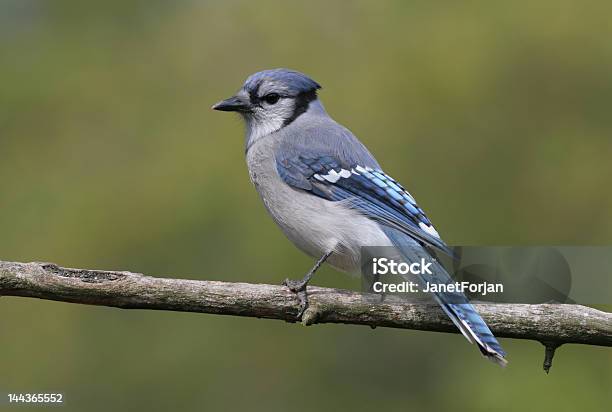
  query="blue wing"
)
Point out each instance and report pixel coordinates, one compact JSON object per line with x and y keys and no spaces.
{"x":365,"y":189}
{"x":375,"y":194}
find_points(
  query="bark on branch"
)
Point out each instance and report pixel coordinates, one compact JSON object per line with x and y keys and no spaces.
{"x":551,"y":324}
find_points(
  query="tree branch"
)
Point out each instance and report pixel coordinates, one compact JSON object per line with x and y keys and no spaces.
{"x":551,"y":324}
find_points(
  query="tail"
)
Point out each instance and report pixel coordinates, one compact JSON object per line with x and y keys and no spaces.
{"x":471,"y":325}
{"x":454,"y":304}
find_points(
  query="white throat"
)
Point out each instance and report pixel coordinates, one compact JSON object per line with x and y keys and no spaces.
{"x":255,"y":129}
{"x":258,"y":126}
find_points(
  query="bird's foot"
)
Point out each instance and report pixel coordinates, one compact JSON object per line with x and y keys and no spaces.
{"x":299,"y":288}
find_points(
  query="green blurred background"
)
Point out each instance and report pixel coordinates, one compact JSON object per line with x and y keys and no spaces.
{"x":496,"y":115}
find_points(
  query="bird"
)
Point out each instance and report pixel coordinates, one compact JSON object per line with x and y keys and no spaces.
{"x":330,"y":196}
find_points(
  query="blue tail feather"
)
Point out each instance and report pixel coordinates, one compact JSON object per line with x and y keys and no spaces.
{"x":455,"y":305}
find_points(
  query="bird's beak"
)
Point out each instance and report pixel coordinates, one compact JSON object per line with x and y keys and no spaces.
{"x":233,"y":104}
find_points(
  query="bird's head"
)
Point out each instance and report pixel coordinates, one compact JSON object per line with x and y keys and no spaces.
{"x":271,"y":99}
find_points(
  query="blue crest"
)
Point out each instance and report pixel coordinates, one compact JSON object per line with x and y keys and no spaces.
{"x":293,"y":80}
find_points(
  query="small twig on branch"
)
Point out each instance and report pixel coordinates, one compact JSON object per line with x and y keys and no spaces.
{"x":549,"y":354}
{"x":550,"y":324}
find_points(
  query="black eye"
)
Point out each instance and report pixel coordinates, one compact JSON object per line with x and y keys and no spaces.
{"x":271,"y":98}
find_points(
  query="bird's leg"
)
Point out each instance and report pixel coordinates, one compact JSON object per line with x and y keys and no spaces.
{"x":299,"y":286}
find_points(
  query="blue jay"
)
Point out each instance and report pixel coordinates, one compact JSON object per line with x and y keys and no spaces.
{"x":330,"y":196}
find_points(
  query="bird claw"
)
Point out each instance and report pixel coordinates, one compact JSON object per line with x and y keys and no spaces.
{"x":299,"y":288}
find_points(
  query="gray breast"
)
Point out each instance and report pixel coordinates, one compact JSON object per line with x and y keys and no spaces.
{"x":313,"y":224}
